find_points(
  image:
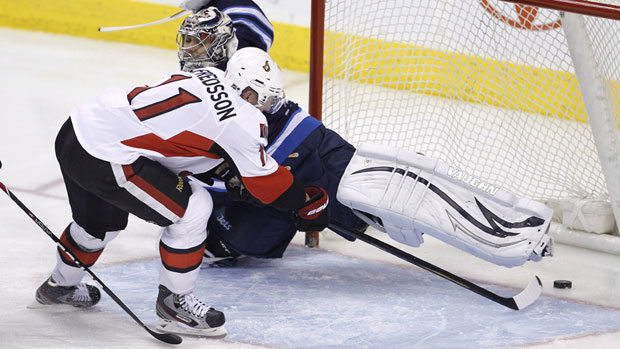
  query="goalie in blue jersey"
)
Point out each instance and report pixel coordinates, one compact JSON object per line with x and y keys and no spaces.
{"x":215,"y":32}
{"x":313,"y":153}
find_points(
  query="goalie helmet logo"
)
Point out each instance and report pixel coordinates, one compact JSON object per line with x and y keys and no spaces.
{"x":266,"y":66}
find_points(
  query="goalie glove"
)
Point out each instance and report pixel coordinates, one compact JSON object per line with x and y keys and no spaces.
{"x":314,"y":215}
{"x":194,"y":5}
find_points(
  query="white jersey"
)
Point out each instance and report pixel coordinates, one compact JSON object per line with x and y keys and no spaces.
{"x":187,"y":122}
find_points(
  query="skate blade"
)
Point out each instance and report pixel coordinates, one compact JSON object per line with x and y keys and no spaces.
{"x":167,"y":326}
{"x":37,"y":305}
{"x":52,"y":307}
{"x":544,"y":248}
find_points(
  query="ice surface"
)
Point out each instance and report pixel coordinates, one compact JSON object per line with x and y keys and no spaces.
{"x":317,"y":299}
{"x":343,"y":295}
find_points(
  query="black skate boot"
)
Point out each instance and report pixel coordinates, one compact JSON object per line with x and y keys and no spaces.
{"x":81,"y":295}
{"x":217,"y":254}
{"x":186,"y":314}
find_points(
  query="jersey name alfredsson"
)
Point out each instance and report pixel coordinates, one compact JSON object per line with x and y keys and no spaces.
{"x":223,"y":105}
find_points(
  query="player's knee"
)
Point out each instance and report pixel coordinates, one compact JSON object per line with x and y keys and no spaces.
{"x":90,"y":241}
{"x":199,"y":207}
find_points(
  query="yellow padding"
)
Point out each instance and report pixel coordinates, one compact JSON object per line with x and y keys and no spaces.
{"x":394,"y":65}
{"x":83,"y":17}
{"x":291,"y":47}
{"x":456,"y":76}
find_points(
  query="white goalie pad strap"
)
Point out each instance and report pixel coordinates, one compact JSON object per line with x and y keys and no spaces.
{"x":406,"y":194}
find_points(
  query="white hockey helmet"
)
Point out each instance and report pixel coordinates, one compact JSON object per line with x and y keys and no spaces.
{"x":205,"y":39}
{"x":252,"y":68}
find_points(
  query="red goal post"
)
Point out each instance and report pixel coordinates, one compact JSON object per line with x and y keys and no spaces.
{"x":355,"y":57}
{"x":597,"y":9}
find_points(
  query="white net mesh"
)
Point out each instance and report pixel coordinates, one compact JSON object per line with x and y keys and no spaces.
{"x":484,"y":85}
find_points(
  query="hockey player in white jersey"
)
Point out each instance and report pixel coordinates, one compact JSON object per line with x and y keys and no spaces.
{"x":129,"y":152}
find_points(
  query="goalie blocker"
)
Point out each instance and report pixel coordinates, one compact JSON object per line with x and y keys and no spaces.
{"x":406,"y":194}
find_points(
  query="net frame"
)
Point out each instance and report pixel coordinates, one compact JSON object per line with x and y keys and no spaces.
{"x":318,"y":67}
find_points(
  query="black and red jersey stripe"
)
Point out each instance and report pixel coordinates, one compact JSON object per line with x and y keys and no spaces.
{"x":181,"y":260}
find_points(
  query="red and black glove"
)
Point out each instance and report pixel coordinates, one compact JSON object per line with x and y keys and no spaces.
{"x":314,"y":215}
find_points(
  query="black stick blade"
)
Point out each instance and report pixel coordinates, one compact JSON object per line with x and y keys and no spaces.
{"x":169,"y":338}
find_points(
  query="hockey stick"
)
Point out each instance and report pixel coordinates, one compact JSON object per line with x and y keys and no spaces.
{"x":164,"y":337}
{"x":521,"y":300}
{"x":163,"y":20}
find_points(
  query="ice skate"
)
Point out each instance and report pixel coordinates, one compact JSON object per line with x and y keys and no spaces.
{"x":544,"y":248}
{"x":186,"y":314}
{"x":217,"y":254}
{"x":81,"y":295}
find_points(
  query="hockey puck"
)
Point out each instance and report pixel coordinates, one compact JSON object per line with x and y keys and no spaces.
{"x":562,"y":284}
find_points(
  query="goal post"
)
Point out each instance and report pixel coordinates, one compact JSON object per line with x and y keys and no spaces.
{"x":598,"y":76}
{"x":525,"y":94}
{"x":317,"y":18}
{"x":589,"y":8}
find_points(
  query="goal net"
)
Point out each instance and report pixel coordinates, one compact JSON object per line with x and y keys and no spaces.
{"x":488,"y":86}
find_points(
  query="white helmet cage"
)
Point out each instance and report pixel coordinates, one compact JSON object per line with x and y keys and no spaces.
{"x":216,"y":39}
{"x":251,"y":67}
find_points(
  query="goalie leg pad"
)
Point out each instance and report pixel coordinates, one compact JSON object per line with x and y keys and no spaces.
{"x":406,"y":194}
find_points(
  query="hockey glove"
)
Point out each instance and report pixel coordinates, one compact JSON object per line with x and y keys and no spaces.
{"x":234,"y":185}
{"x":314,"y":215}
{"x":194,"y":5}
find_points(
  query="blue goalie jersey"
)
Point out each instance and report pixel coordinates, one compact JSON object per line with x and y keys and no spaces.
{"x":315,"y":155}
{"x":252,"y":27}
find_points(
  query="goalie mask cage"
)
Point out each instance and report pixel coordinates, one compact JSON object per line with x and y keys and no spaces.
{"x":525,"y":97}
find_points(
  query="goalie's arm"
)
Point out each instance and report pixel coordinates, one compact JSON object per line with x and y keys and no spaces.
{"x":278,"y":189}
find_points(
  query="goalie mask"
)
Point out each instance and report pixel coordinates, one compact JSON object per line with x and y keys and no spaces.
{"x":205,"y":39}
{"x":253,"y":70}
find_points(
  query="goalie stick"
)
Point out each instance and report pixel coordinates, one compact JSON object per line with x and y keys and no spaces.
{"x":164,"y":337}
{"x":520,"y":301}
{"x":163,"y":20}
